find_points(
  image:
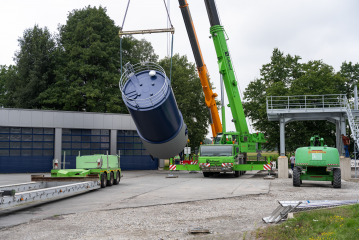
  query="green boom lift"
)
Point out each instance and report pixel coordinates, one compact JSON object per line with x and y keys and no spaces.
{"x":317,"y":163}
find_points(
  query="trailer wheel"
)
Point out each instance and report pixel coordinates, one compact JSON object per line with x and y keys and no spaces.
{"x":117,"y":178}
{"x":205,"y":174}
{"x":103,"y":180}
{"x":296,"y":177}
{"x":337,"y":178}
{"x":237,"y":174}
{"x":110,"y":181}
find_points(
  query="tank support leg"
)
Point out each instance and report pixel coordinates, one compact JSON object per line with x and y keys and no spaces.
{"x":282,"y":136}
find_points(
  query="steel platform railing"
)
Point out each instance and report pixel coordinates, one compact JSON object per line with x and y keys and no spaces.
{"x":305,"y":102}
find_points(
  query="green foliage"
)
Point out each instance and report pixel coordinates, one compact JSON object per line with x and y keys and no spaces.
{"x":351,"y":72}
{"x":3,"y":76}
{"x":87,"y":78}
{"x":335,"y":223}
{"x":77,"y":70}
{"x":140,"y":51}
{"x":286,"y":76}
{"x":317,"y":78}
{"x":187,"y":89}
{"x":33,"y":73}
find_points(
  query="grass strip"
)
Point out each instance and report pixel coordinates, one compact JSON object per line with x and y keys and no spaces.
{"x":333,"y":223}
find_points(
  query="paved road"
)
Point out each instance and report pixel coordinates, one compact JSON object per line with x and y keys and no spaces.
{"x":137,"y":189}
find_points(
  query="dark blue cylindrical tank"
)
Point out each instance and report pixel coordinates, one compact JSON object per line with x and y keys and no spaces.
{"x":149,"y":98}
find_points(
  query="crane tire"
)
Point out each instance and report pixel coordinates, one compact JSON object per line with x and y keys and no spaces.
{"x":110,"y":181}
{"x":296,"y":177}
{"x":237,"y":173}
{"x":337,"y":178}
{"x":103,"y":180}
{"x":205,"y":174}
{"x":116,"y":180}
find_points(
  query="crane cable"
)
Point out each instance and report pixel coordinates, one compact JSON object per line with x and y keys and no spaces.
{"x":168,"y":15}
{"x":123,"y":22}
{"x":169,"y":18}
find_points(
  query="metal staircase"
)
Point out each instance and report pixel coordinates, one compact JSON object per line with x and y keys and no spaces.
{"x":353,"y":122}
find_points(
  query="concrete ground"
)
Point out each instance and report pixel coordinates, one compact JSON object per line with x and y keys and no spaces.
{"x":136,"y":189}
{"x":226,"y":217}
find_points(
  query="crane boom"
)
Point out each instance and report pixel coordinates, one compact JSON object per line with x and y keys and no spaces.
{"x":210,"y":101}
{"x":226,"y":68}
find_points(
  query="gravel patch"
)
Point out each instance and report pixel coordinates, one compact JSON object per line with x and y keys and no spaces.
{"x":229,"y":218}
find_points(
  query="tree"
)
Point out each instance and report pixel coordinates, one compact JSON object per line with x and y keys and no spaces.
{"x":317,"y":78}
{"x":140,"y":51}
{"x":351,"y":72}
{"x":275,"y":76}
{"x":285,"y":76}
{"x":34,"y":71}
{"x":88,"y":76}
{"x":190,"y":99}
{"x":3,"y":71}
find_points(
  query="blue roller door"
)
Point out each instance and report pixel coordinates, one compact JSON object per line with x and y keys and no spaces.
{"x":133,"y":154}
{"x":83,"y":142}
{"x":26,"y":150}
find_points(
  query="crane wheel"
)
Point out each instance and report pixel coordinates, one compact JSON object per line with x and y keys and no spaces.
{"x":337,"y":178}
{"x":296,"y":177}
{"x":110,"y":181}
{"x":205,"y":174}
{"x":103,"y":180}
{"x":117,"y":178}
{"x":237,"y":174}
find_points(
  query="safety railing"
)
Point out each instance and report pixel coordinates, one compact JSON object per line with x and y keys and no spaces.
{"x":305,"y":102}
{"x":156,"y":97}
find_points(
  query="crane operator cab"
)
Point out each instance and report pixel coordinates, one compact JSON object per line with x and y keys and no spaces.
{"x":226,"y":138}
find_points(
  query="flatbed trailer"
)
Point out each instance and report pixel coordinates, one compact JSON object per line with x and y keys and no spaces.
{"x":92,"y":172}
{"x":47,"y":189}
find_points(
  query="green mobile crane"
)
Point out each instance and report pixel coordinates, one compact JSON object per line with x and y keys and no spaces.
{"x":229,"y":151}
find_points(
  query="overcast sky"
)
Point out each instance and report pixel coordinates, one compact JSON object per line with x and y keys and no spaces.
{"x":314,"y":30}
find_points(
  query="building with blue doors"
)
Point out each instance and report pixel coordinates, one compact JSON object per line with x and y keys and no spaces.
{"x":31,"y":139}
